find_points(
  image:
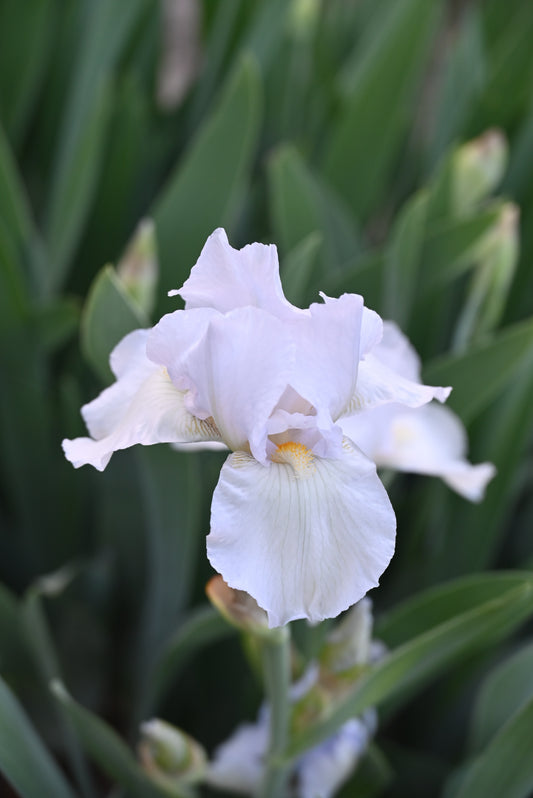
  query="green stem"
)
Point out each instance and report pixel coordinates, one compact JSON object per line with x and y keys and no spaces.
{"x":276,"y":666}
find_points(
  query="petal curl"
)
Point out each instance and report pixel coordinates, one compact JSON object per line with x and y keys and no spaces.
{"x":155,"y":414}
{"x":390,"y":372}
{"x":225,"y":278}
{"x":306,"y":538}
{"x":379,"y":385}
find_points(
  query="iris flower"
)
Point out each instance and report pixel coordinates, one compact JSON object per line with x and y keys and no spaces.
{"x":299,"y":517}
{"x":238,"y":763}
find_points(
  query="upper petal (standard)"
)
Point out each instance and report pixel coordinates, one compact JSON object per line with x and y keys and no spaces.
{"x":225,"y":278}
{"x":238,"y":372}
{"x":327,"y":342}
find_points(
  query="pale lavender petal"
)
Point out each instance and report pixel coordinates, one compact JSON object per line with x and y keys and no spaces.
{"x":327,"y":345}
{"x":325,"y":768}
{"x":156,"y":414}
{"x":131,"y":366}
{"x":225,"y":278}
{"x":428,"y":440}
{"x":377,"y":385}
{"x":238,"y":763}
{"x":239,"y":371}
{"x":306,"y":537}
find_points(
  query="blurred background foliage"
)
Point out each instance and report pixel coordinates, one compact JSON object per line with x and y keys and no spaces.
{"x":337,"y":130}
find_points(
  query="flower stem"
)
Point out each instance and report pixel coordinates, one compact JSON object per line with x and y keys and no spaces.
{"x":276,"y":666}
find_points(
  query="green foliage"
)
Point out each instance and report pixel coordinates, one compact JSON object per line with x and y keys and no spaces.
{"x":335,"y":129}
{"x":24,"y":759}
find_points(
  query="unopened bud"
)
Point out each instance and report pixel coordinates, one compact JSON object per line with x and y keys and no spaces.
{"x":478,"y":167}
{"x":349,"y":644}
{"x":168,"y":755}
{"x":138,"y":268}
{"x":496,"y":257}
{"x":237,"y":607}
{"x":180,"y":51}
{"x":303,"y":17}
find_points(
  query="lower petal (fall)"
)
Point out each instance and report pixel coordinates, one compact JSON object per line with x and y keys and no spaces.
{"x":427,"y":440}
{"x":306,"y":537}
{"x":155,"y":414}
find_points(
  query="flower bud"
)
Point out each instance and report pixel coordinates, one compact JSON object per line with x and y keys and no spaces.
{"x":349,"y":644}
{"x":180,"y":51}
{"x":478,"y":166}
{"x":169,"y":755}
{"x":303,"y":17}
{"x":237,"y":607}
{"x":138,"y":268}
{"x":496,"y":256}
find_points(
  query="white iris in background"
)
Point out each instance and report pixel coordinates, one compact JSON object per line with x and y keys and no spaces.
{"x":299,"y":519}
{"x":238,"y":764}
{"x":428,"y":440}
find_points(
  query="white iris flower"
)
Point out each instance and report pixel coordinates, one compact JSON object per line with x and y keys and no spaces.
{"x":238,"y":763}
{"x":299,"y":519}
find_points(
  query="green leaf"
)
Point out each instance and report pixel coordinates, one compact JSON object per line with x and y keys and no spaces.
{"x":170,"y":485}
{"x":506,"y":765}
{"x":24,"y":760}
{"x":375,"y":115}
{"x":74,"y":186}
{"x":202,"y":193}
{"x":302,"y":204}
{"x":30,"y":22}
{"x":517,"y":182}
{"x":293,"y":204}
{"x":298,"y":266}
{"x":462,"y":82}
{"x":481,"y":373}
{"x":505,"y":431}
{"x":41,"y":646}
{"x":442,"y":603}
{"x":506,"y":690}
{"x":508,"y":88}
{"x":14,"y":304}
{"x":14,"y":207}
{"x":364,"y":275}
{"x":409,"y":667}
{"x":109,"y":314}
{"x":57,"y":322}
{"x":106,"y":28}
{"x":403,"y":258}
{"x":19,"y":239}
{"x":203,"y":626}
{"x":109,"y":751}
{"x":449,"y":247}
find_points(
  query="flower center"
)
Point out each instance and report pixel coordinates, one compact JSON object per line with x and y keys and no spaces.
{"x":298,"y":456}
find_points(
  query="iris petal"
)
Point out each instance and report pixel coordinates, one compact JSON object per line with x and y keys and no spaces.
{"x":239,"y":372}
{"x":156,"y":413}
{"x":327,"y":343}
{"x":307,"y":539}
{"x":429,"y":440}
{"x":225,"y":278}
